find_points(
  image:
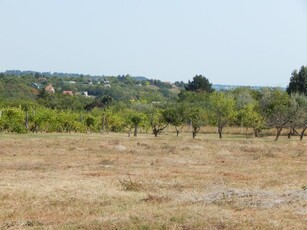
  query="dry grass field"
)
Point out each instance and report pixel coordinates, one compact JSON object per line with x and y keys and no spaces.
{"x":95,"y":181}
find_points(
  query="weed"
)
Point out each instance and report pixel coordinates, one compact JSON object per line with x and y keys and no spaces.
{"x":130,"y":185}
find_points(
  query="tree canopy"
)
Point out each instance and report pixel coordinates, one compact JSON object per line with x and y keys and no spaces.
{"x":199,"y":84}
{"x":298,"y":81}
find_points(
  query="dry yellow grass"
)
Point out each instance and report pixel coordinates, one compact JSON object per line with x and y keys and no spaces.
{"x":94,"y":181}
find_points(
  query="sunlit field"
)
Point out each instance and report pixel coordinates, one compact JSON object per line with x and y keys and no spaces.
{"x":111,"y":181}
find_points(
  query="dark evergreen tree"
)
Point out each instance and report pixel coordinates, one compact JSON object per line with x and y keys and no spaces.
{"x":199,"y":84}
{"x":298,"y":81}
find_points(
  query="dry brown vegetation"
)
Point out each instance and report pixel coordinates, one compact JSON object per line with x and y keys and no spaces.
{"x":94,"y":181}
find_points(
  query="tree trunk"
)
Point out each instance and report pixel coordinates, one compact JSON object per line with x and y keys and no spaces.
{"x":302,"y":133}
{"x":194,"y":134}
{"x":103,"y":123}
{"x":135,"y":131}
{"x":278,"y":131}
{"x":129,"y":132}
{"x":155,"y":130}
{"x":177,"y":131}
{"x":256,"y":132}
{"x":195,"y":131}
{"x":292,"y":132}
{"x":220,"y":130}
{"x":27,"y":120}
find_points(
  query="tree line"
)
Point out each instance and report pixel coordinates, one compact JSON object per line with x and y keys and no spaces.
{"x":196,"y":106}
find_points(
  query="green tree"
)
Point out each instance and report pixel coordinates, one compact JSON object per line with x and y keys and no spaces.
{"x":12,"y":120}
{"x":196,"y":117}
{"x":298,"y":81}
{"x":299,"y":120}
{"x":115,"y":121}
{"x":248,"y":110}
{"x":133,"y":120}
{"x":277,"y":109}
{"x":102,"y":102}
{"x":157,"y":120}
{"x":199,"y":84}
{"x":174,"y":114}
{"x":250,"y":117}
{"x":222,"y":110}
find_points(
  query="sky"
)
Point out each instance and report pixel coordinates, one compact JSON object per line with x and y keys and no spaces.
{"x":237,"y":42}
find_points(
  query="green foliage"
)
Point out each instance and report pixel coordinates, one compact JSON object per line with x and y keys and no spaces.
{"x":13,"y":120}
{"x":134,"y":119}
{"x":61,"y":101}
{"x":196,"y":117}
{"x":222,"y":110}
{"x":277,"y":108}
{"x":248,"y":109}
{"x":199,"y":84}
{"x":298,"y":81}
{"x":174,"y":114}
{"x":299,"y":120}
{"x":193,"y":97}
{"x":90,"y":122}
{"x":102,"y":102}
{"x":157,"y":120}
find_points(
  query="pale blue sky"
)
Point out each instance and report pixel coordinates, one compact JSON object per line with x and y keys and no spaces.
{"x":243,"y":42}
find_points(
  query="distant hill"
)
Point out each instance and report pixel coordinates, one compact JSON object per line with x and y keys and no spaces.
{"x":220,"y":87}
{"x":140,"y":78}
{"x":62,"y":75}
{"x":217,"y":87}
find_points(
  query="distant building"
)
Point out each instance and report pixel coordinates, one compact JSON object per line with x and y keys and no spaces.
{"x":49,"y":88}
{"x":42,"y":79}
{"x":68,"y":92}
{"x":36,"y":85}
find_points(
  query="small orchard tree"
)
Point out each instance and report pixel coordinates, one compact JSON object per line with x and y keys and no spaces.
{"x":133,"y":120}
{"x":277,"y":109}
{"x":103,"y":103}
{"x":299,"y":120}
{"x":197,"y":118}
{"x":174,"y":114}
{"x":248,"y":110}
{"x":157,"y":120}
{"x":222,"y":110}
{"x":251,"y":118}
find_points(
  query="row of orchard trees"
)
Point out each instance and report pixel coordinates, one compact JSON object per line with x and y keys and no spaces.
{"x":265,"y":109}
{"x":268,"y":108}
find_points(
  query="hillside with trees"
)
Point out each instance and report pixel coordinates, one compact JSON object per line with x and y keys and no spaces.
{"x":57,"y":102}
